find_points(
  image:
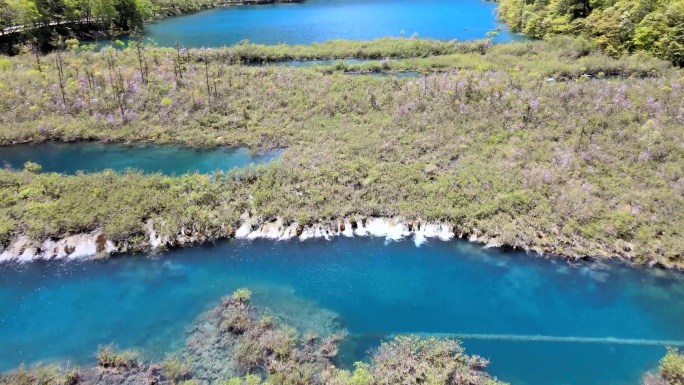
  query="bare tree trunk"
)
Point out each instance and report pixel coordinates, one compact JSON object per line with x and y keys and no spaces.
{"x":206,"y":75}
{"x":36,"y":52}
{"x":60,"y":73}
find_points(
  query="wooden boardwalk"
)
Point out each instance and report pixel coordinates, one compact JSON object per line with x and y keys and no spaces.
{"x":21,"y":28}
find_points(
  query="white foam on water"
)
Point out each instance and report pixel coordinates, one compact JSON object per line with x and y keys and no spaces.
{"x":84,"y":249}
{"x":85,"y":245}
{"x":243,"y":231}
{"x":348,"y":232}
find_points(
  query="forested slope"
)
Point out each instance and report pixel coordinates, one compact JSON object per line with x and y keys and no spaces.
{"x":117,"y":15}
{"x":654,"y":26}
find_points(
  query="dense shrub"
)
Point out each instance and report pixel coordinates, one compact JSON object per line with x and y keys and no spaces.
{"x":588,"y":166}
{"x":411,"y":360}
{"x":177,"y":369}
{"x":270,"y":353}
{"x":108,"y":358}
{"x":672,"y":367}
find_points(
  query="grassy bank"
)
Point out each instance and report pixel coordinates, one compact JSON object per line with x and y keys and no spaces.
{"x":576,"y":168}
{"x":533,"y":59}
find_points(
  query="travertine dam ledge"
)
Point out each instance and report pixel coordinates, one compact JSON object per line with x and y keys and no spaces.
{"x":96,"y":245}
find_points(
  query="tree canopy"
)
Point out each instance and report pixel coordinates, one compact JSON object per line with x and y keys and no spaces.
{"x":654,"y":26}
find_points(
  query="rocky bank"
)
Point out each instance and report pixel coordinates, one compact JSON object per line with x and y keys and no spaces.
{"x":96,"y":245}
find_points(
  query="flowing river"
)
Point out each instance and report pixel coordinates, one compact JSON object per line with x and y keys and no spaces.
{"x":600,"y":324}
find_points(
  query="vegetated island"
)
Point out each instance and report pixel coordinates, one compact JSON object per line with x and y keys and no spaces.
{"x":237,"y":343}
{"x":548,"y":146}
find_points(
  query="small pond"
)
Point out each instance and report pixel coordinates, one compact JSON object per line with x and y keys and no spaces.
{"x":69,"y":158}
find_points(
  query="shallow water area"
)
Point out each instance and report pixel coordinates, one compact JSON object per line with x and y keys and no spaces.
{"x":69,"y":158}
{"x":320,"y":20}
{"x":60,"y":311}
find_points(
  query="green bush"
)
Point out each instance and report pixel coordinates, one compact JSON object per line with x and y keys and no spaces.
{"x":672,"y":367}
{"x":177,"y":369}
{"x":415,"y":360}
{"x":242,"y":295}
{"x":32,"y":167}
{"x":108,"y":358}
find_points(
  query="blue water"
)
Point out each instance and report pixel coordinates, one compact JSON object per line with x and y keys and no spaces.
{"x":69,"y":158}
{"x":320,"y":20}
{"x":59,"y":310}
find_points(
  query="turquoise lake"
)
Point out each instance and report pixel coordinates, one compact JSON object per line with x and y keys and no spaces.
{"x":63,"y":310}
{"x":320,"y":20}
{"x":69,"y":158}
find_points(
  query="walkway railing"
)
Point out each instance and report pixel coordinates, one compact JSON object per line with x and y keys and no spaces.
{"x":21,"y":28}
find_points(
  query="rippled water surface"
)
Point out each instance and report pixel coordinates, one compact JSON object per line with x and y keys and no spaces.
{"x":320,"y":20}
{"x":69,"y":158}
{"x":64,"y":310}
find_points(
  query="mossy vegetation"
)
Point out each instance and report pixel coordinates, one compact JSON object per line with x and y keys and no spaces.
{"x":42,"y":375}
{"x":177,"y":369}
{"x":672,"y":367}
{"x":108,"y":358}
{"x":414,"y":360}
{"x":670,"y":371}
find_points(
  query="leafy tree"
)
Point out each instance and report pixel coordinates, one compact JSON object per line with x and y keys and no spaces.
{"x":6,"y":15}
{"x":620,"y":26}
{"x":25,"y":12}
{"x":104,"y":9}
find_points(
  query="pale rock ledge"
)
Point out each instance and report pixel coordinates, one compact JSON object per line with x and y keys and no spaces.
{"x":93,"y":244}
